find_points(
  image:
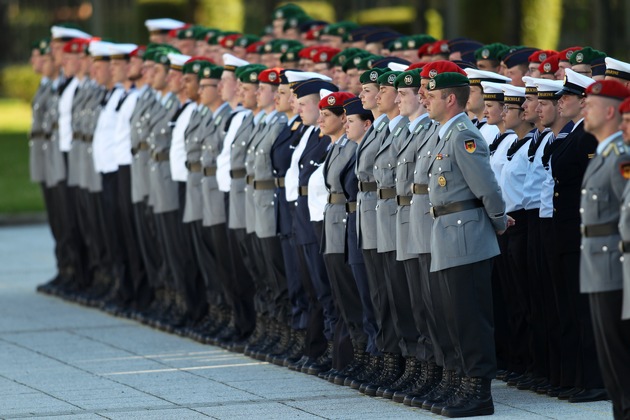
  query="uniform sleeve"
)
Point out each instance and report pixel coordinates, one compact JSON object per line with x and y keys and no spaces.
{"x":472,"y":156}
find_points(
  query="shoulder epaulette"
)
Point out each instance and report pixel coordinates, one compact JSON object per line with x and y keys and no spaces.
{"x":295,"y":126}
{"x":461,"y":126}
{"x":418,"y":128}
{"x":381,"y":126}
{"x":616,"y":147}
{"x":398,"y":131}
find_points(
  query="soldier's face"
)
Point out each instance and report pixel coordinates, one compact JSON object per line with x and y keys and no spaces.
{"x":547,"y":112}
{"x":488,"y":65}
{"x":191,"y":86}
{"x":625,"y":127}
{"x":532,"y":70}
{"x":408,"y":101}
{"x":368,"y":96}
{"x":597,"y":110}
{"x":135,"y":68}
{"x":492,"y":111}
{"x":265,"y":95}
{"x":227,"y":86}
{"x":356,"y":128}
{"x":187,"y":46}
{"x":436,"y":105}
{"x":282,"y":98}
{"x":385,"y":99}
{"x":512,"y":116}
{"x":329,"y":123}
{"x":354,"y":83}
{"x":516,"y":73}
{"x":71,"y":64}
{"x":570,"y":106}
{"x":101,"y":72}
{"x":308,"y":109}
{"x":529,"y":108}
{"x":175,"y":81}
{"x":475,"y":100}
{"x":340,"y":78}
{"x":208,"y":91}
{"x":36,"y":62}
{"x":584,"y":69}
{"x":562,"y":66}
{"x":160,"y":72}
{"x":119,"y":70}
{"x":248,"y":95}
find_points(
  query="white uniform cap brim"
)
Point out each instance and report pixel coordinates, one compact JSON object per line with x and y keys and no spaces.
{"x":163,"y":24}
{"x":61,"y":32}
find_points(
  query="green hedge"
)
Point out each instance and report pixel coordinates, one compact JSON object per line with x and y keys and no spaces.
{"x":18,"y":82}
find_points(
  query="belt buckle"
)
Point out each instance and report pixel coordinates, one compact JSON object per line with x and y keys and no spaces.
{"x":621,"y":247}
{"x":432,"y":212}
{"x":583,"y":230}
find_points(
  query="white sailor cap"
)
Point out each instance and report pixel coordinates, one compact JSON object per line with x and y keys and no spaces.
{"x":231,"y":62}
{"x":492,"y":91}
{"x":477,"y":76}
{"x":324,"y":92}
{"x":100,"y":50}
{"x":397,"y":66}
{"x":61,"y":32}
{"x":575,"y":83}
{"x":121,"y":51}
{"x":299,"y":76}
{"x":530,"y":85}
{"x":513,"y":94}
{"x":548,"y":89}
{"x":177,"y":60}
{"x":162,"y":25}
{"x":616,"y":68}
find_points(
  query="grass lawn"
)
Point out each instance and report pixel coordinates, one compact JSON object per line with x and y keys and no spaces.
{"x":17,"y":193}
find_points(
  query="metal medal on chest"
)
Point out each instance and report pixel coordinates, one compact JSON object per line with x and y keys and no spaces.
{"x":442,"y":181}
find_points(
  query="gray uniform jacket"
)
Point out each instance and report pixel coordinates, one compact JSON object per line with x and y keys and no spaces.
{"x":213,"y":198}
{"x":420,"y":219}
{"x":602,"y":188}
{"x":264,"y":199}
{"x":236,"y":218}
{"x":460,"y":170}
{"x":139,"y":147}
{"x":257,"y":135}
{"x":406,"y":149}
{"x":193,"y":138}
{"x":163,"y":191}
{"x":385,"y":176}
{"x":366,"y":200}
{"x":55,"y":169}
{"x":337,"y":161}
{"x":37,"y":136}
{"x":624,"y":232}
{"x":77,"y":147}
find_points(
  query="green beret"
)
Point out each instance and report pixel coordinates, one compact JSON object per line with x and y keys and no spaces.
{"x":280,"y":46}
{"x":367,"y":62}
{"x":448,"y":80}
{"x":287,"y":11}
{"x":586,"y":56}
{"x":388,"y":78}
{"x":291,"y":55}
{"x":296,"y":21}
{"x":353,"y":61}
{"x":249,"y":73}
{"x":201,"y":32}
{"x":210,"y":71}
{"x":246,"y":40}
{"x":409,"y":79}
{"x":189,"y":33}
{"x":159,"y":53}
{"x":43,"y":45}
{"x":161,"y":57}
{"x":340,"y":58}
{"x":410,"y":42}
{"x":194,"y":66}
{"x":491,"y":51}
{"x":341,"y":29}
{"x":213,"y":37}
{"x":371,"y":76}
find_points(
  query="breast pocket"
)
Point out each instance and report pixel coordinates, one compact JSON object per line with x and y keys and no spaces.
{"x":442,"y":173}
{"x":596,"y":203}
{"x":459,"y":232}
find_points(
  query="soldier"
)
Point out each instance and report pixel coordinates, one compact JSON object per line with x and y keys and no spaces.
{"x":601,"y":274}
{"x":159,"y":29}
{"x":464,"y":268}
{"x":535,"y":59}
{"x":564,"y":58}
{"x":582,"y":60}
{"x":487,"y":58}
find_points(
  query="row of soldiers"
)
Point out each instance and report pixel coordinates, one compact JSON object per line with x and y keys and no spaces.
{"x":411,"y":230}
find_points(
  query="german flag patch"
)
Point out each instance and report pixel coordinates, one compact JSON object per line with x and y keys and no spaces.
{"x":624,"y":168}
{"x":470,"y":146}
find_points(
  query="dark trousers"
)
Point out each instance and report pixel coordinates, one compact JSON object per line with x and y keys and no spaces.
{"x":221,"y":279}
{"x":511,"y":354}
{"x":418,"y":287}
{"x":261,"y":276}
{"x":370,"y":328}
{"x":279,"y":307}
{"x":386,"y":338}
{"x":400,"y":304}
{"x":612,"y":337}
{"x":207,"y":263}
{"x":346,"y":297}
{"x":298,"y":298}
{"x":315,"y":340}
{"x":150,"y":250}
{"x":467,"y":300}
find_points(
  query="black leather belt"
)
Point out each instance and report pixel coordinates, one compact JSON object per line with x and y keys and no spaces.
{"x":160,"y":156}
{"x":238,"y":173}
{"x":303,"y":191}
{"x":336,"y":198}
{"x":264,"y":185}
{"x":367,"y":186}
{"x":210,"y":171}
{"x":37,"y":134}
{"x":385,"y":193}
{"x":88,"y":138}
{"x":604,"y":229}
{"x":47,"y":136}
{"x":279,"y":182}
{"x":193,"y":166}
{"x":351,"y":206}
{"x":403,"y":200}
{"x":249,"y":179}
{"x":437,"y":211}
{"x":420,"y":189}
{"x":624,"y":247}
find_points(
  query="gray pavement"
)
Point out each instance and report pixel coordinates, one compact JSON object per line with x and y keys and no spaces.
{"x":59,"y":360}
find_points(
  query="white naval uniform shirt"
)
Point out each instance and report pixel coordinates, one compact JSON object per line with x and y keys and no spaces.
{"x":103,"y":146}
{"x":535,"y":177}
{"x":122,"y":140}
{"x":499,"y":158}
{"x":65,"y":115}
{"x":489,"y":132}
{"x":177,"y":151}
{"x":291,"y":178}
{"x":223,"y":160}
{"x":513,"y":179}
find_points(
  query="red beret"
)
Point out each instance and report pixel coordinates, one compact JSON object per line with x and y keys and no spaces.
{"x":76,"y":45}
{"x":335,"y":100}
{"x":541,"y":55}
{"x":550,"y":65}
{"x":138,"y":52}
{"x":255,"y":47}
{"x":430,"y":70}
{"x":270,"y":76}
{"x":325,"y":54}
{"x":608,"y":88}
{"x":439,"y":47}
{"x":314,"y":33}
{"x":566,"y":54}
{"x":308,"y":52}
{"x":424,"y":50}
{"x":416,"y":66}
{"x":228,"y":41}
{"x":624,"y":108}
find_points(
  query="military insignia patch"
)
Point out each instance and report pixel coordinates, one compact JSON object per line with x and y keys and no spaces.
{"x":431,"y":84}
{"x":542,"y":57}
{"x":569,"y":54}
{"x":411,"y":44}
{"x":323,"y":56}
{"x":295,"y":126}
{"x":272,"y":76}
{"x":461,"y":126}
{"x":579,"y":57}
{"x":485,"y":53}
{"x":206,"y":72}
{"x":398,"y":132}
{"x":196,"y":67}
{"x":547,"y":67}
{"x":391,"y":79}
{"x":470,"y":146}
{"x":433,"y":73}
{"x":625,"y":170}
{"x":253,"y":77}
{"x":331,"y":100}
{"x":442,"y":181}
{"x":373,"y":76}
{"x":408,"y":80}
{"x":596,"y":88}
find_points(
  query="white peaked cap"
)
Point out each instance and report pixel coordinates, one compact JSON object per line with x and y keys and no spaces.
{"x":163,"y":24}
{"x":397,"y":66}
{"x":486,"y":76}
{"x":63,"y":32}
{"x":299,"y":76}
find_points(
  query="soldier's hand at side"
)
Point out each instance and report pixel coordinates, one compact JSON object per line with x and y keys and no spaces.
{"x":510,"y":222}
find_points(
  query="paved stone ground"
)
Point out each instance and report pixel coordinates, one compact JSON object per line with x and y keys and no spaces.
{"x":59,"y":360}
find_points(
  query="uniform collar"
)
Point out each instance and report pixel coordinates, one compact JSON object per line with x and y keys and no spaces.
{"x":448,"y":124}
{"x":413,"y":124}
{"x":602,"y":146}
